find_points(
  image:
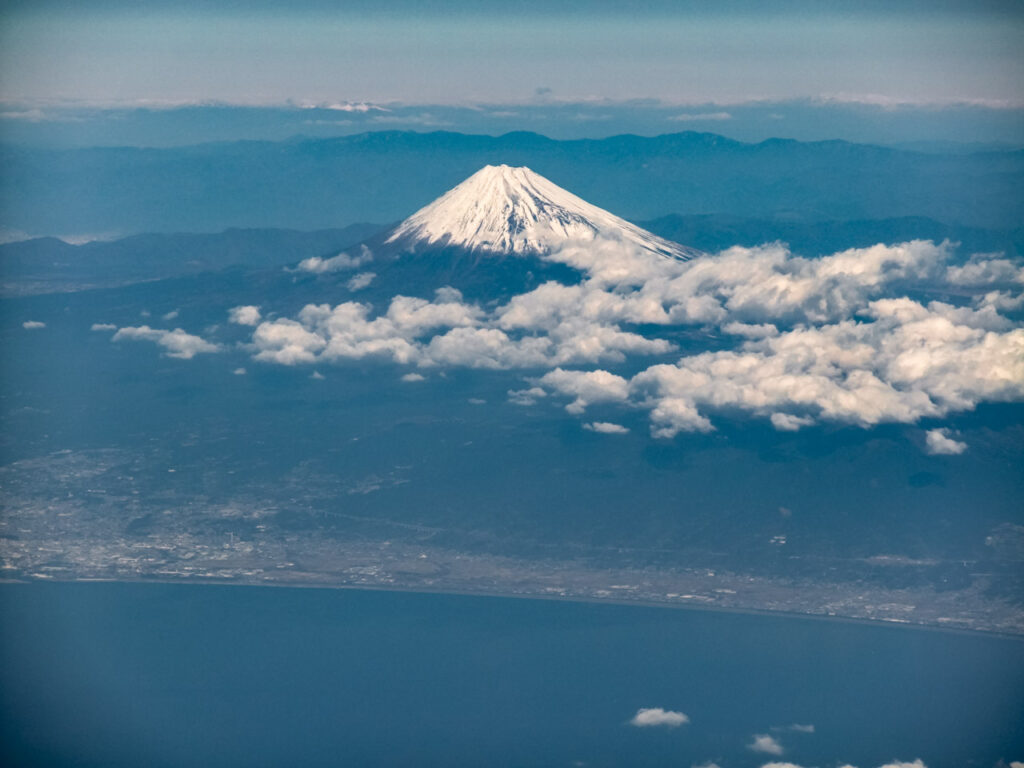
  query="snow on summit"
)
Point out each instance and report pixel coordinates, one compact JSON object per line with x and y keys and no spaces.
{"x":505,"y":210}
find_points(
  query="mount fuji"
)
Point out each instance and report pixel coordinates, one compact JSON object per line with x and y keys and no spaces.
{"x":501,"y":211}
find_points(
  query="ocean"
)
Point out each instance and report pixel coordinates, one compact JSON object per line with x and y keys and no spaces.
{"x":118,"y":674}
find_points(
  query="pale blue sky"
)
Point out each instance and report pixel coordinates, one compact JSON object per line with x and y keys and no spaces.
{"x":458,"y":53}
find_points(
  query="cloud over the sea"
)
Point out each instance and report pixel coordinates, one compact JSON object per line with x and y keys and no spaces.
{"x":176,"y":343}
{"x":939,"y":443}
{"x":765,"y":743}
{"x":245,"y":315}
{"x":656,"y":716}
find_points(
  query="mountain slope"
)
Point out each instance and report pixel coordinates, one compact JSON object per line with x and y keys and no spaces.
{"x":506,"y":210}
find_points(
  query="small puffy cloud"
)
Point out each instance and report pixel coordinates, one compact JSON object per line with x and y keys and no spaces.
{"x":900,"y":764}
{"x":1001,"y":301}
{"x":751,"y":331}
{"x":587,"y":387}
{"x":239,"y":371}
{"x":245,"y":315}
{"x":984,"y":269}
{"x":286,"y":342}
{"x":939,"y":443}
{"x":487,"y":348}
{"x":360,"y":281}
{"x":656,"y":716}
{"x":765,"y":743}
{"x":173,"y":314}
{"x":103,"y":327}
{"x":606,"y":428}
{"x":342,"y":261}
{"x":776,"y":764}
{"x":787,"y":422}
{"x":317,"y":376}
{"x":526,"y":396}
{"x":33,"y":324}
{"x":1017,"y":764}
{"x":800,"y":728}
{"x":411,"y":377}
{"x":177,"y":343}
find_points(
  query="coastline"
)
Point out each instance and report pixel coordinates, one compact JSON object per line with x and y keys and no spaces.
{"x":584,"y":599}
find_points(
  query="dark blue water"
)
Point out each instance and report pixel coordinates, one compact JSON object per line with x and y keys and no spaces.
{"x":175,"y":675}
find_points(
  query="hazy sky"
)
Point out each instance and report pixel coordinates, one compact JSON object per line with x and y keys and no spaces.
{"x":460,"y":52}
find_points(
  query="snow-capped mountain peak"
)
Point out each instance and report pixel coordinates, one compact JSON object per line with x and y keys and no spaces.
{"x":507,"y":210}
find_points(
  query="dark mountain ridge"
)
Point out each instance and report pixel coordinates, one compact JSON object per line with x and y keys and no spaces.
{"x":382,"y":176}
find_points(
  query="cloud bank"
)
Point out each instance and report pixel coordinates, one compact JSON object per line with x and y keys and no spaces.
{"x":851,"y":338}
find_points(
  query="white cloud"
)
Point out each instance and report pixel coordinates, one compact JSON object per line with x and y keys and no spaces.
{"x":765,"y":743}
{"x":177,"y":343}
{"x":787,"y":422}
{"x":1001,"y":301}
{"x":33,"y":324}
{"x":900,"y":764}
{"x":360,"y":281}
{"x":239,"y":371}
{"x":488,"y":348}
{"x":656,"y":716}
{"x":984,"y":269}
{"x":173,"y":314}
{"x":911,"y":362}
{"x":606,"y":428}
{"x":245,"y":315}
{"x":751,"y":331}
{"x":800,"y":728}
{"x":103,"y":327}
{"x":287,"y":342}
{"x":342,"y":261}
{"x":826,"y":339}
{"x":526,"y":396}
{"x":347,"y":331}
{"x":411,"y":377}
{"x":587,"y":387}
{"x":775,"y":764}
{"x":939,"y":443}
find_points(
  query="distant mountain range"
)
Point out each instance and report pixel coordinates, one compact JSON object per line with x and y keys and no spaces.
{"x":382,"y":176}
{"x":49,"y":265}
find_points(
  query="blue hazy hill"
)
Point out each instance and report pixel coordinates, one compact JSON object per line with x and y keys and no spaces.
{"x":382,"y":176}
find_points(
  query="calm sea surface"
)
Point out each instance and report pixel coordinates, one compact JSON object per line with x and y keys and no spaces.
{"x":105,"y":674}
